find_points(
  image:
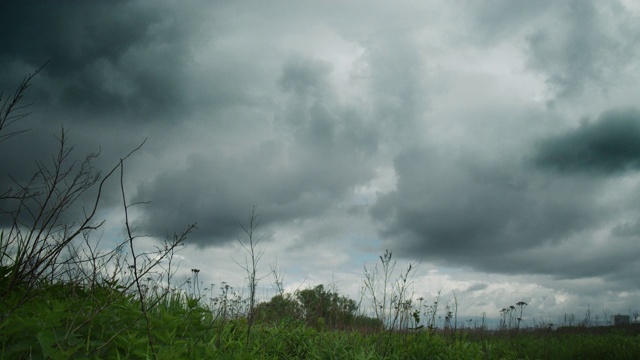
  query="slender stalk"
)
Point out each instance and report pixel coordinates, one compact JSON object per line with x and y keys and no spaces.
{"x":135,"y":263}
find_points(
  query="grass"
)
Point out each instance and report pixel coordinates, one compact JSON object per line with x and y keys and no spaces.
{"x":66,"y":321}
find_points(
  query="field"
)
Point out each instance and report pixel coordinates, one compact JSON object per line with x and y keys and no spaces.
{"x":63,"y":321}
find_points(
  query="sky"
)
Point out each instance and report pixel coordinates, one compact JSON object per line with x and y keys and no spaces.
{"x":496,"y":144}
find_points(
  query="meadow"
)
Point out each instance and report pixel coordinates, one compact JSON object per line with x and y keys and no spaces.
{"x":66,"y":320}
{"x":65,"y":296}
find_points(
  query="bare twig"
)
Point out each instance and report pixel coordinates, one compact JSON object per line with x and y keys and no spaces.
{"x":8,"y":116}
{"x":135,"y":259}
{"x":254,"y":254}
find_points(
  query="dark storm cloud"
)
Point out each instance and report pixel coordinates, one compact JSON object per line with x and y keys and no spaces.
{"x":516,"y":216}
{"x":609,"y":145}
{"x":114,"y":68}
{"x":96,"y":53}
{"x":16,"y":169}
{"x":579,"y":258}
{"x":289,"y":178}
{"x":70,"y":34}
{"x":121,"y":71}
{"x":468,"y":211}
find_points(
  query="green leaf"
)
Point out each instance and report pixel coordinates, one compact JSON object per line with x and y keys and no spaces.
{"x":47,"y":342}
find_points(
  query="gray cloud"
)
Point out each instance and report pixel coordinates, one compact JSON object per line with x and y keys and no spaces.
{"x":496,"y":20}
{"x":609,"y":145}
{"x":96,"y":52}
{"x":304,"y":173}
{"x":470,"y":212}
{"x":305,"y":78}
{"x":477,"y":287}
{"x":517,"y":216}
{"x":582,"y":48}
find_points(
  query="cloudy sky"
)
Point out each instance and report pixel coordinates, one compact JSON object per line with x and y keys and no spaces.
{"x":497,"y":143}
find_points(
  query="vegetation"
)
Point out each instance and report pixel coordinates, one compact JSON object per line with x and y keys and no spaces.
{"x":62,"y":296}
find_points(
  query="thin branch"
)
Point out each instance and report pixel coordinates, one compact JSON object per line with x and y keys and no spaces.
{"x":135,"y":258}
{"x":9,"y":107}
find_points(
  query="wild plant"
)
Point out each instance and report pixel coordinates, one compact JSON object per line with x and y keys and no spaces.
{"x":568,"y":320}
{"x":606,"y":317}
{"x":453,"y":313}
{"x":45,"y":252}
{"x":278,"y":278}
{"x":377,"y":283}
{"x":521,"y":305}
{"x":504,"y":313}
{"x":431,"y":312}
{"x":416,"y":315}
{"x":447,"y":317}
{"x":252,"y":258}
{"x":587,"y":317}
{"x":390,"y":299}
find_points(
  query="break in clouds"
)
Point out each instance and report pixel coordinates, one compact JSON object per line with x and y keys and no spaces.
{"x":501,"y":137}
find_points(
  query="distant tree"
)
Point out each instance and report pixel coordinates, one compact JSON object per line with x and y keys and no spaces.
{"x":280,"y":307}
{"x":319,"y":303}
{"x":317,"y":307}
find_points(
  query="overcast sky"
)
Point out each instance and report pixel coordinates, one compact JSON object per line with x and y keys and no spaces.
{"x":495,"y":142}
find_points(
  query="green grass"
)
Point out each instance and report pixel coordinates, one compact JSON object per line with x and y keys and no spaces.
{"x":68,"y":322}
